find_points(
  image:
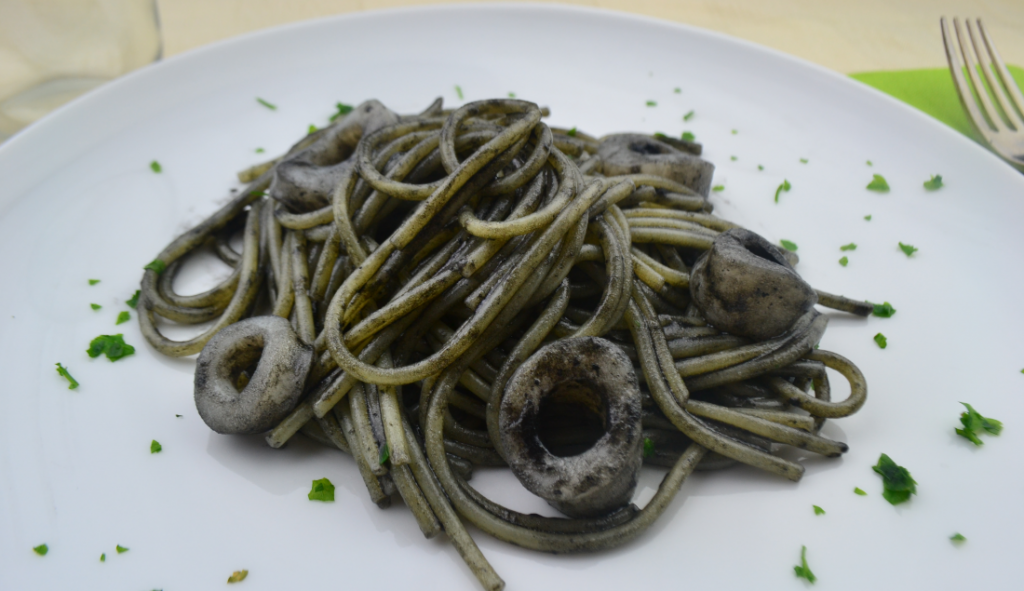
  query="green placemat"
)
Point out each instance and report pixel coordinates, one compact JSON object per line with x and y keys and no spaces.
{"x":932,"y":91}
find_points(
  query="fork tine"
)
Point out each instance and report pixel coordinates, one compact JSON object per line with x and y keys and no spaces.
{"x":980,"y":47}
{"x":1016,"y":98}
{"x":995,"y":122}
{"x":963,"y":90}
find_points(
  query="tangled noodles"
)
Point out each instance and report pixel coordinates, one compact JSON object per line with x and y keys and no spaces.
{"x":431,"y":293}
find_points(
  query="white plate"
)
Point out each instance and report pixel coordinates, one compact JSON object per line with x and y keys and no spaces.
{"x":79,"y":201}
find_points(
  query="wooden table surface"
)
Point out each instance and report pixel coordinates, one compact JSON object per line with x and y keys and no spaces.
{"x":847,"y":36}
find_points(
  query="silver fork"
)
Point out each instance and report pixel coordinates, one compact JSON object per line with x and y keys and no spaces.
{"x":1002,"y":128}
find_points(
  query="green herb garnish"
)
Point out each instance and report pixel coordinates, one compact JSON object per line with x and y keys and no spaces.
{"x":156,"y":265}
{"x":121,"y":549}
{"x":785,"y":186}
{"x":883,"y":310}
{"x":571,"y":132}
{"x":868,"y":217}
{"x":850,"y":246}
{"x":113,"y":346}
{"x":95,"y":306}
{"x":41,"y":549}
{"x":343,"y":110}
{"x":238,"y":576}
{"x":803,"y":571}
{"x":677,"y":90}
{"x":718,"y":188}
{"x":934,"y":183}
{"x":688,"y":116}
{"x":790,"y":246}
{"x":881,"y":341}
{"x":385,"y":453}
{"x":733,"y":158}
{"x":760,"y":167}
{"x":63,"y":371}
{"x":134,"y":300}
{"x":897,"y":485}
{"x":123,"y":317}
{"x":858,"y":491}
{"x":311,"y":130}
{"x":974,"y":424}
{"x":155,"y":447}
{"x":93,"y":281}
{"x":648,"y":447}
{"x":869,"y":163}
{"x":155,"y":166}
{"x":458,"y":91}
{"x":688,"y":136}
{"x":266,"y":104}
{"x":322,"y":490}
{"x":958,"y":537}
{"x":844,"y":261}
{"x":878,"y":184}
{"x":652,"y":103}
{"x":259,"y":150}
{"x":803,"y":161}
{"x":103,"y":557}
{"x":907,"y":249}
{"x":818,"y":510}
{"x":511,"y":95}
{"x":734,"y":132}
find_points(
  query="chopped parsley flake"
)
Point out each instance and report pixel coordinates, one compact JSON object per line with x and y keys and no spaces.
{"x":571,"y":132}
{"x":790,"y":246}
{"x":733,"y":158}
{"x":652,"y":103}
{"x":803,"y":161}
{"x":883,"y":310}
{"x":734,"y":132}
{"x":648,"y":447}
{"x":385,"y":453}
{"x":103,"y":557}
{"x":907,"y":249}
{"x":134,"y":300}
{"x":858,"y":491}
{"x":259,"y":150}
{"x":803,"y":571}
{"x":342,"y":110}
{"x":868,"y":217}
{"x":155,"y":447}
{"x":258,"y":193}
{"x":123,"y":317}
{"x":718,"y":188}
{"x":760,"y":167}
{"x":688,"y":136}
{"x":458,"y":91}
{"x":121,"y":549}
{"x":958,"y":537}
{"x":850,"y":246}
{"x":785,"y":186}
{"x":63,"y":371}
{"x":93,"y":281}
{"x":156,"y":265}
{"x":974,"y":424}
{"x":41,"y":549}
{"x":844,"y":261}
{"x":677,"y":90}
{"x":113,"y":346}
{"x":688,"y":116}
{"x":155,"y":166}
{"x":869,"y":163}
{"x":322,"y":490}
{"x":881,"y":341}
{"x":818,"y":510}
{"x":511,"y":95}
{"x":897,"y":485}
{"x":934,"y":183}
{"x":95,"y":306}
{"x":312,"y":129}
{"x":878,"y":184}
{"x":238,"y":576}
{"x":266,"y":104}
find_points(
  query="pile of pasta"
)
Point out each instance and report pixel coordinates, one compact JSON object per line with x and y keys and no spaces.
{"x":414,"y":263}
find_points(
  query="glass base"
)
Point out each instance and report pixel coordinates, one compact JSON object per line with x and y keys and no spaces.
{"x":26,"y":107}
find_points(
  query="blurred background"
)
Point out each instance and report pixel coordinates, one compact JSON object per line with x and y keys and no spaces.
{"x":54,"y":50}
